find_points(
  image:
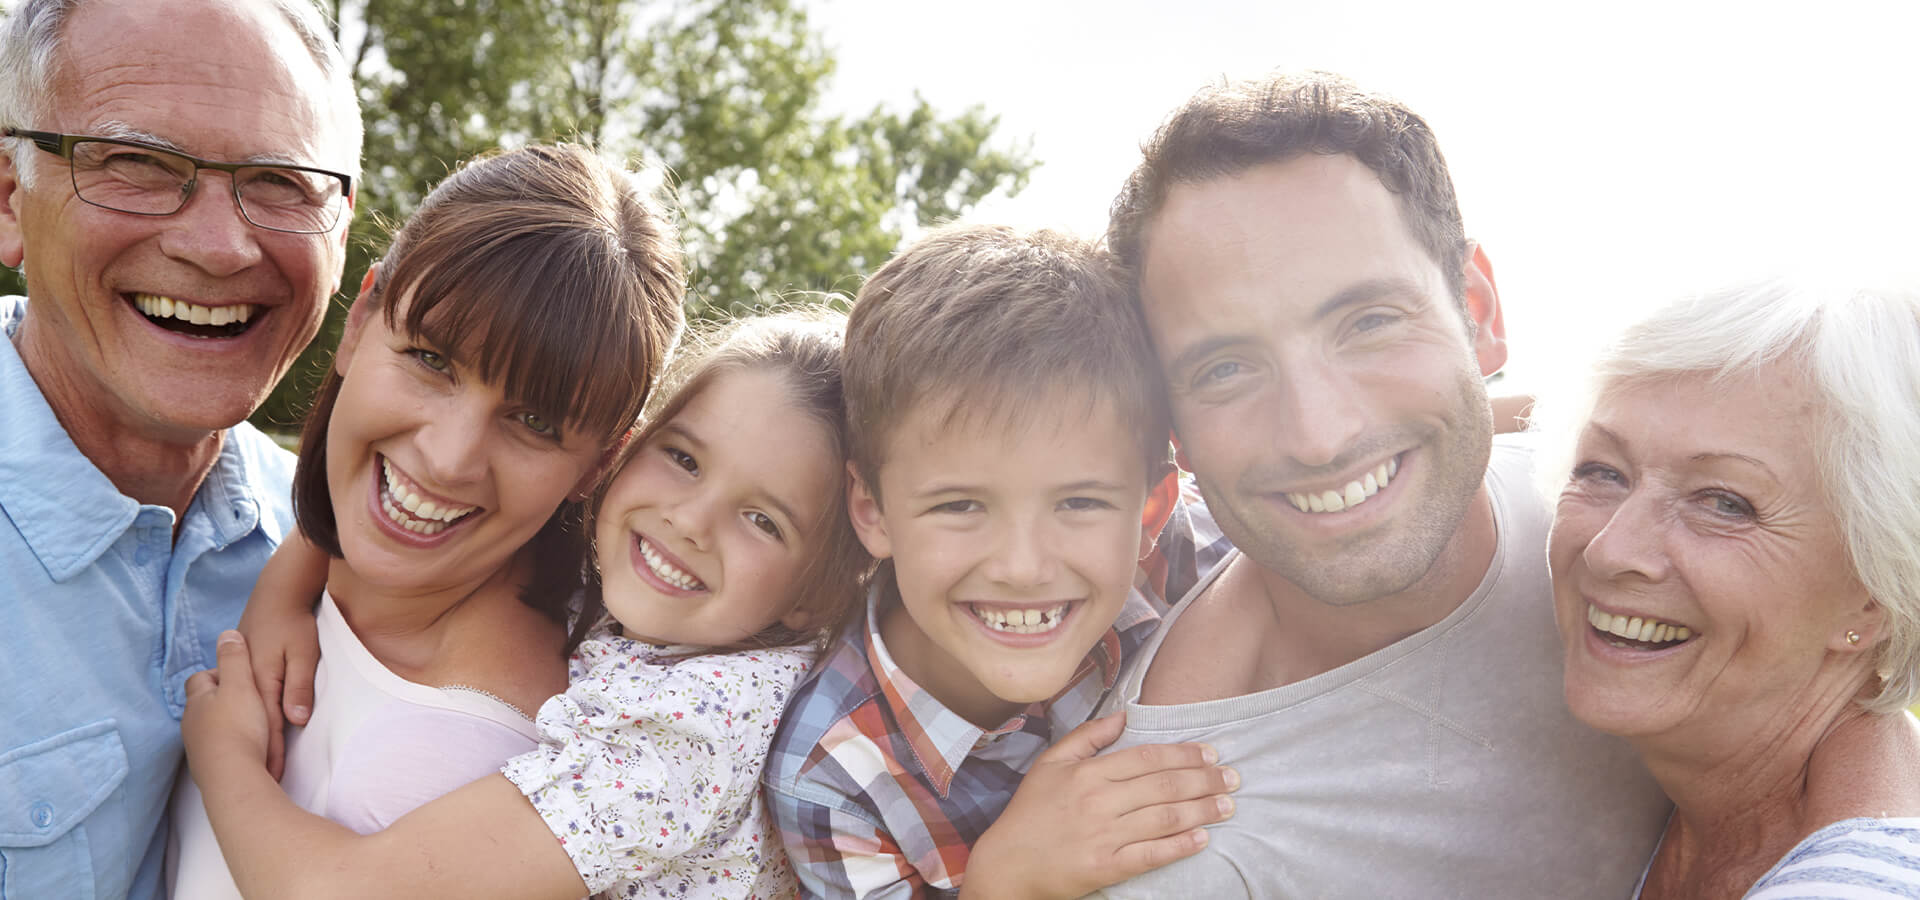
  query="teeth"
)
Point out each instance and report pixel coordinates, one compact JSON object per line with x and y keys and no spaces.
{"x":1020,"y":621}
{"x":668,"y":572}
{"x":160,"y":307}
{"x":1636,"y":628}
{"x":1351,"y":495}
{"x":407,"y":510}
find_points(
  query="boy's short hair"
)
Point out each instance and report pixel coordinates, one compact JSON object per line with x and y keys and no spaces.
{"x":990,"y":322}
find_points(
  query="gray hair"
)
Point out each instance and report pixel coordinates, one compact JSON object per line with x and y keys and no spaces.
{"x":1858,"y":350}
{"x":30,"y":42}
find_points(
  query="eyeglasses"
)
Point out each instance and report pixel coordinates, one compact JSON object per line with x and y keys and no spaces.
{"x":137,"y":178}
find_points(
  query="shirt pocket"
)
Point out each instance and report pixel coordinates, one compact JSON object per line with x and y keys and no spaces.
{"x":47,"y":788}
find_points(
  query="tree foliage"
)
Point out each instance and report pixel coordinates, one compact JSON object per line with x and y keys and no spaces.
{"x":775,"y":195}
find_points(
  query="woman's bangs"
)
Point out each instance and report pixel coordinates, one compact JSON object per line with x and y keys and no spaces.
{"x":544,"y":320}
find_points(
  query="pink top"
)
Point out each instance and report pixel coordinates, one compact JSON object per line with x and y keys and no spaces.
{"x":376,"y":747}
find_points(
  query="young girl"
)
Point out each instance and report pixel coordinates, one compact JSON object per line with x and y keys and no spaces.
{"x":723,"y":552}
{"x":444,"y":466}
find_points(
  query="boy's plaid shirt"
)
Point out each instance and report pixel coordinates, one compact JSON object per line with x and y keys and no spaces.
{"x":879,"y":790}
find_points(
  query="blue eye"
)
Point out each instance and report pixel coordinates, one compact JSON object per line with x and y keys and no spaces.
{"x":1220,"y":371}
{"x":1373,"y":322}
{"x":1597,"y":472}
{"x":1729,"y":504}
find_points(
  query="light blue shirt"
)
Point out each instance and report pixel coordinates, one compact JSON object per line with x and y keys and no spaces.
{"x":103,"y":615}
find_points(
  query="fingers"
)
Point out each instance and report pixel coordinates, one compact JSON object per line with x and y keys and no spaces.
{"x":297,"y":693}
{"x":276,"y":742}
{"x":268,"y":675}
{"x":1087,"y":740}
{"x":1145,"y":856}
{"x":202,"y":682}
{"x":235,"y":668}
{"x":1169,"y":819}
{"x":1155,"y":835}
{"x":1133,"y":762}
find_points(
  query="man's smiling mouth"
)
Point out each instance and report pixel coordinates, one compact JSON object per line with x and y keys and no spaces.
{"x":1350,"y":495}
{"x":192,"y":319}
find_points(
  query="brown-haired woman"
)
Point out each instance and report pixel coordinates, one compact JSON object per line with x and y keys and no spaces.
{"x":490,"y":364}
{"x":723,"y":553}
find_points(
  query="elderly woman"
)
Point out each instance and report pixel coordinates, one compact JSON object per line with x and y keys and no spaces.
{"x":1736,"y":567}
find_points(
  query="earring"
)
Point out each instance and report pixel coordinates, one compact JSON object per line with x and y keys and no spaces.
{"x":1853,"y":637}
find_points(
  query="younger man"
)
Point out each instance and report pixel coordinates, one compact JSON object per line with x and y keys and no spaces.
{"x":1006,"y":425}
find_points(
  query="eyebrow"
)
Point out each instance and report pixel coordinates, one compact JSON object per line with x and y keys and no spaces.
{"x":1364,"y":291}
{"x":1708,"y":456}
{"x":118,"y":130}
{"x":1090,"y":484}
{"x":1737,"y":457}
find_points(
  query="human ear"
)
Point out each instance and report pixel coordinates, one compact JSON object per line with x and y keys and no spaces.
{"x":798,"y":620}
{"x":1860,"y":631}
{"x":864,"y":509}
{"x":363,"y":305}
{"x":13,"y":247}
{"x":1483,"y":306}
{"x":1161,"y":499}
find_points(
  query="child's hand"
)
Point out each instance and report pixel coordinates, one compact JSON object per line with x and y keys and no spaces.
{"x":283,"y":640}
{"x":1080,"y":822}
{"x":225,"y":723}
{"x":284,"y":646}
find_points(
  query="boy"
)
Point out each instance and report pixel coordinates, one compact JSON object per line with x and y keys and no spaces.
{"x":1007,"y":430}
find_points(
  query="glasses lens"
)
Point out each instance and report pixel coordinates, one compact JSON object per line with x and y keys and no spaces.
{"x":289,"y":199}
{"x":129,"y":178}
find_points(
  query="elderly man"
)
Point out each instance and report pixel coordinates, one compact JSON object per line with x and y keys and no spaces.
{"x":175,"y":180}
{"x":1378,"y":658}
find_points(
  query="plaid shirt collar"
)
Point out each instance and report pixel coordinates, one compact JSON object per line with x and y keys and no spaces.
{"x":942,"y":739}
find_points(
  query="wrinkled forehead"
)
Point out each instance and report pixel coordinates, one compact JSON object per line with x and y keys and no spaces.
{"x":228,"y":80}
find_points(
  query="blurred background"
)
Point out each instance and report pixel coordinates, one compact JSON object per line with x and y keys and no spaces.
{"x":1607,"y":155}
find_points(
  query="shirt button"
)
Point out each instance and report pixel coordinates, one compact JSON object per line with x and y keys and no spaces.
{"x":142,"y":556}
{"x":42,"y":814}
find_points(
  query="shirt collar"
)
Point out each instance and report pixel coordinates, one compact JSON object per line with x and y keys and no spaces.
{"x":66,"y":510}
{"x":941,"y":739}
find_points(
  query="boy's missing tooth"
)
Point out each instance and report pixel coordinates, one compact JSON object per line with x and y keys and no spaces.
{"x":1008,"y":432}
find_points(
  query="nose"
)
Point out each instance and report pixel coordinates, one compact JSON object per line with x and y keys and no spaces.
{"x":1631,"y":544}
{"x":1317,"y":416}
{"x":691,"y":515}
{"x":454,"y":443}
{"x":209,"y":233}
{"x":1023,"y":555}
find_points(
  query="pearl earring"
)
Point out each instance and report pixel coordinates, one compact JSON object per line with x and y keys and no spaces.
{"x":1853,"y":637}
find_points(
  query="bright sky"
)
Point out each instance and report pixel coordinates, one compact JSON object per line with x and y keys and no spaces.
{"x":1608,"y":155}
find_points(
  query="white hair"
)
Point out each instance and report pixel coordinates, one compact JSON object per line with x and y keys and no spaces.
{"x":30,"y":43}
{"x":1858,"y":351}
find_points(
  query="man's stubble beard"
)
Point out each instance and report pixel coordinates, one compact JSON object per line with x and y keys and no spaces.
{"x":1396,"y":554}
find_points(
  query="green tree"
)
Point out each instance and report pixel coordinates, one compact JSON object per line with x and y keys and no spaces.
{"x":775,"y":195}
